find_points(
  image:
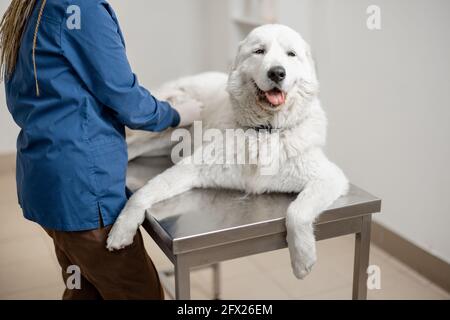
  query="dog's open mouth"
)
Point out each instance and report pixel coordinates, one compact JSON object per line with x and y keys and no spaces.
{"x":274,"y":97}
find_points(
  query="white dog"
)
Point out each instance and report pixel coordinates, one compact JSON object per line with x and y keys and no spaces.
{"x":272,"y":85}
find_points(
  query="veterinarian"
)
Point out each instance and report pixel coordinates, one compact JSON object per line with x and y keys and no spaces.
{"x":71,"y":90}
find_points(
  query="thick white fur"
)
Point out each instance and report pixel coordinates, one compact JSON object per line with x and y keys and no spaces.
{"x":230,"y":102}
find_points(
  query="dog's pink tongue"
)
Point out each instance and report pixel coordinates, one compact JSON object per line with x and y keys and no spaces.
{"x":275,"y":97}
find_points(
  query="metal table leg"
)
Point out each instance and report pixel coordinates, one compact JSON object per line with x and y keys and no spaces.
{"x":166,"y":275}
{"x":182,"y":279}
{"x":361,"y":262}
{"x":216,"y":280}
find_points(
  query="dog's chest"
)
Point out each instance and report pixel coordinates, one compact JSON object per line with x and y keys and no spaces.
{"x":255,"y":162}
{"x":283,"y":176}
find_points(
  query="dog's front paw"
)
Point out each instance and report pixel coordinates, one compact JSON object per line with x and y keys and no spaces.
{"x":124,"y":229}
{"x":302,"y":262}
{"x":302,"y":248}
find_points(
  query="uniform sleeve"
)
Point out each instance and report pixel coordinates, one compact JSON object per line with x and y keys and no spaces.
{"x":96,"y":51}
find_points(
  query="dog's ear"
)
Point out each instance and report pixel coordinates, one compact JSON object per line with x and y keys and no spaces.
{"x":237,"y":58}
{"x":309,"y":57}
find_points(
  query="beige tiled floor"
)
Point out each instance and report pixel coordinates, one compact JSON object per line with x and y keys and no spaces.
{"x":28,"y":267}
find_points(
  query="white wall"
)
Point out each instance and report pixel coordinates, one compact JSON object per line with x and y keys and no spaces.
{"x":8,"y":129}
{"x":165,"y":39}
{"x":387,"y":96}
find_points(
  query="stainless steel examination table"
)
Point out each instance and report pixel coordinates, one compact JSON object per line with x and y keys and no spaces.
{"x":205,"y":226}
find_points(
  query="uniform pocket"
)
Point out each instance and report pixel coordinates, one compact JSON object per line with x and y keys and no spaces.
{"x":110,"y":161}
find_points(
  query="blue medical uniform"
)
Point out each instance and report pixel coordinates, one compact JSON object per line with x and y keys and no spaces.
{"x":71,"y":150}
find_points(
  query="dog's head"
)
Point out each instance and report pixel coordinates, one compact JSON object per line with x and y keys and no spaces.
{"x":272,"y":78}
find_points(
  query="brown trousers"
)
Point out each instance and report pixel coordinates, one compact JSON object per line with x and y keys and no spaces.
{"x":124,"y":274}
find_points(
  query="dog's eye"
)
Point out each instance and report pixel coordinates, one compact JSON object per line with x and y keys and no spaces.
{"x":259,"y":51}
{"x":291,"y":54}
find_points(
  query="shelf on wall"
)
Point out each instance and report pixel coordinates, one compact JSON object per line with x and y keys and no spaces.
{"x":249,"y":22}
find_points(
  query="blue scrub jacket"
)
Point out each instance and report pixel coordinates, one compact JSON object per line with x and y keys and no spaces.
{"x":71,"y":150}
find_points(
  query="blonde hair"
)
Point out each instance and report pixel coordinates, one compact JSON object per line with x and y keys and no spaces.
{"x":12,"y":27}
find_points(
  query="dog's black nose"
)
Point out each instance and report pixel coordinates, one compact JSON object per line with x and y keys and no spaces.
{"x":276,"y":74}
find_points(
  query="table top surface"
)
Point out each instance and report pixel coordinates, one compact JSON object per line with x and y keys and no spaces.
{"x":205,"y":217}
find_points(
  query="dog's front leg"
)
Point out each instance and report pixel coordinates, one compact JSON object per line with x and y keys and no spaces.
{"x":317,"y":195}
{"x":175,"y":180}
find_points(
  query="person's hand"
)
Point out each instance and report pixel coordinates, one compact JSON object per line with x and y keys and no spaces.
{"x":189,"y":110}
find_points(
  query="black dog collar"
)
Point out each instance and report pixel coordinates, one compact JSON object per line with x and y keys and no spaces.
{"x":267,"y":128}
